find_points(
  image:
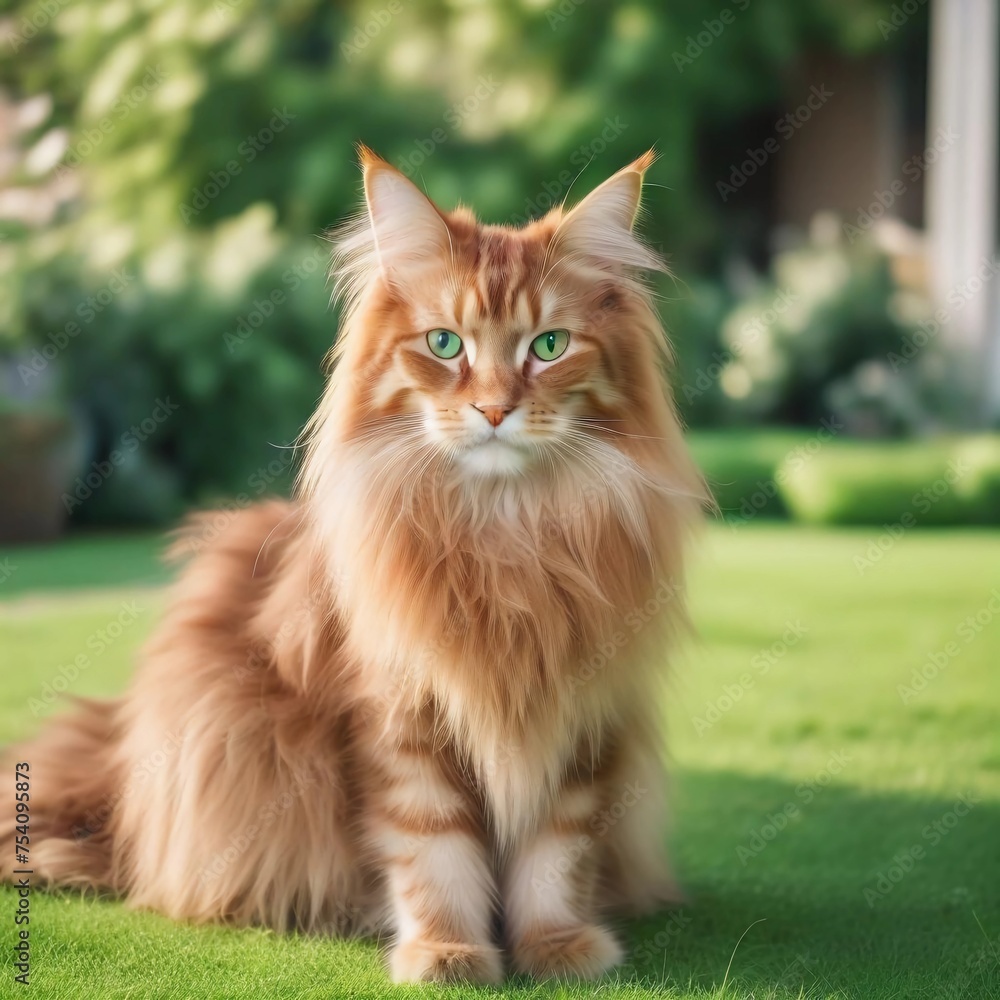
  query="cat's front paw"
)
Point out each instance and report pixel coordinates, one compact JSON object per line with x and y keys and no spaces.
{"x":425,"y":961}
{"x":581,"y":952}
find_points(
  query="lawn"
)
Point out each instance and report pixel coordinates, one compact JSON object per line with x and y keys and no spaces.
{"x":837,"y":830}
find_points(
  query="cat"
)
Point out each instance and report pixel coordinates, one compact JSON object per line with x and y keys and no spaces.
{"x":423,"y":699}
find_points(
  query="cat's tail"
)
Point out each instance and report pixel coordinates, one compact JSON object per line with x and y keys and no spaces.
{"x":69,"y":798}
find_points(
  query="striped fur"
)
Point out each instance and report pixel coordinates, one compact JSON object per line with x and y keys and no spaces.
{"x":423,"y":697}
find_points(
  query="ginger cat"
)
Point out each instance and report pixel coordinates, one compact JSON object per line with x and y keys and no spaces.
{"x":424,"y":697}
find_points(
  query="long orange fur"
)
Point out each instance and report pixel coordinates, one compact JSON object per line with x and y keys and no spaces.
{"x":423,"y":697}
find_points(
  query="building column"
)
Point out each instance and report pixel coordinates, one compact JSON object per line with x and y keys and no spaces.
{"x":961,"y":188}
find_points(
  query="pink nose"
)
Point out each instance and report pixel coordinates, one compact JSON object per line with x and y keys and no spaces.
{"x":493,"y":413}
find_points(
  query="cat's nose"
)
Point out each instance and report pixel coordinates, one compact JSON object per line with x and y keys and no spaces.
{"x":494,"y":412}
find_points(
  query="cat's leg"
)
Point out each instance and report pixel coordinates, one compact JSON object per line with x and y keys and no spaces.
{"x":636,"y":876}
{"x":429,"y":836}
{"x":550,"y":890}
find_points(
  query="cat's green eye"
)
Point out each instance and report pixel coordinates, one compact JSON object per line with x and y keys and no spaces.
{"x":444,"y":343}
{"x":551,"y":345}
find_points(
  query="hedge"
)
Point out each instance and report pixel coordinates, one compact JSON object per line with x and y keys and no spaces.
{"x":941,"y":481}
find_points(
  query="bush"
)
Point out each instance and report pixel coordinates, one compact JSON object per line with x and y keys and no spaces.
{"x":979,"y":487}
{"x":813,"y":341}
{"x":921,"y":483}
{"x":789,"y":473}
{"x":202,"y":145}
{"x":740,"y":468}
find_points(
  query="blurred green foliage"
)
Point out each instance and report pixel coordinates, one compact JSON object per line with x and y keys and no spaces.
{"x":822,"y":478}
{"x":740,"y":465}
{"x":212,"y":142}
{"x":828,"y":335}
{"x":937,"y":482}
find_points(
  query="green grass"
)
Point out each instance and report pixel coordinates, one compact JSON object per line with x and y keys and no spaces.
{"x":87,"y":560}
{"x":785,"y":921}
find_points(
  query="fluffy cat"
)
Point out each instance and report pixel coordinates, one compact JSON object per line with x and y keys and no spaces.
{"x":424,"y":697}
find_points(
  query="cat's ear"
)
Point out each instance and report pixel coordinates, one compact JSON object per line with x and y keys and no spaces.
{"x":405,"y":224}
{"x":600,"y":226}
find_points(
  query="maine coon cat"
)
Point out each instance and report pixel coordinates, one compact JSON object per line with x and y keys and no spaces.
{"x":423,"y":698}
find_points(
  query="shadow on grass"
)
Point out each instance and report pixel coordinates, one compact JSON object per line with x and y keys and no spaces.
{"x":855,"y":895}
{"x":833,"y":891}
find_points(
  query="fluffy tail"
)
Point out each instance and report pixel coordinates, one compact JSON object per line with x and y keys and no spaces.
{"x":70,"y":799}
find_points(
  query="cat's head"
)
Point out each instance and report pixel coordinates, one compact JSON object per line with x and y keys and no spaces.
{"x":496,"y":349}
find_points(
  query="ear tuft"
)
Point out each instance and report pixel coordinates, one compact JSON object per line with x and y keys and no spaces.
{"x":367,"y":157}
{"x":642,"y":163}
{"x":405,"y":224}
{"x":600,"y":226}
{"x":397,"y":233}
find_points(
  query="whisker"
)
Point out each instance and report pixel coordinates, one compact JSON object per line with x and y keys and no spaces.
{"x":598,"y":421}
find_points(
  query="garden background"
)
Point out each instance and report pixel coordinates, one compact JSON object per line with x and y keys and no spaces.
{"x":826,"y":194}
